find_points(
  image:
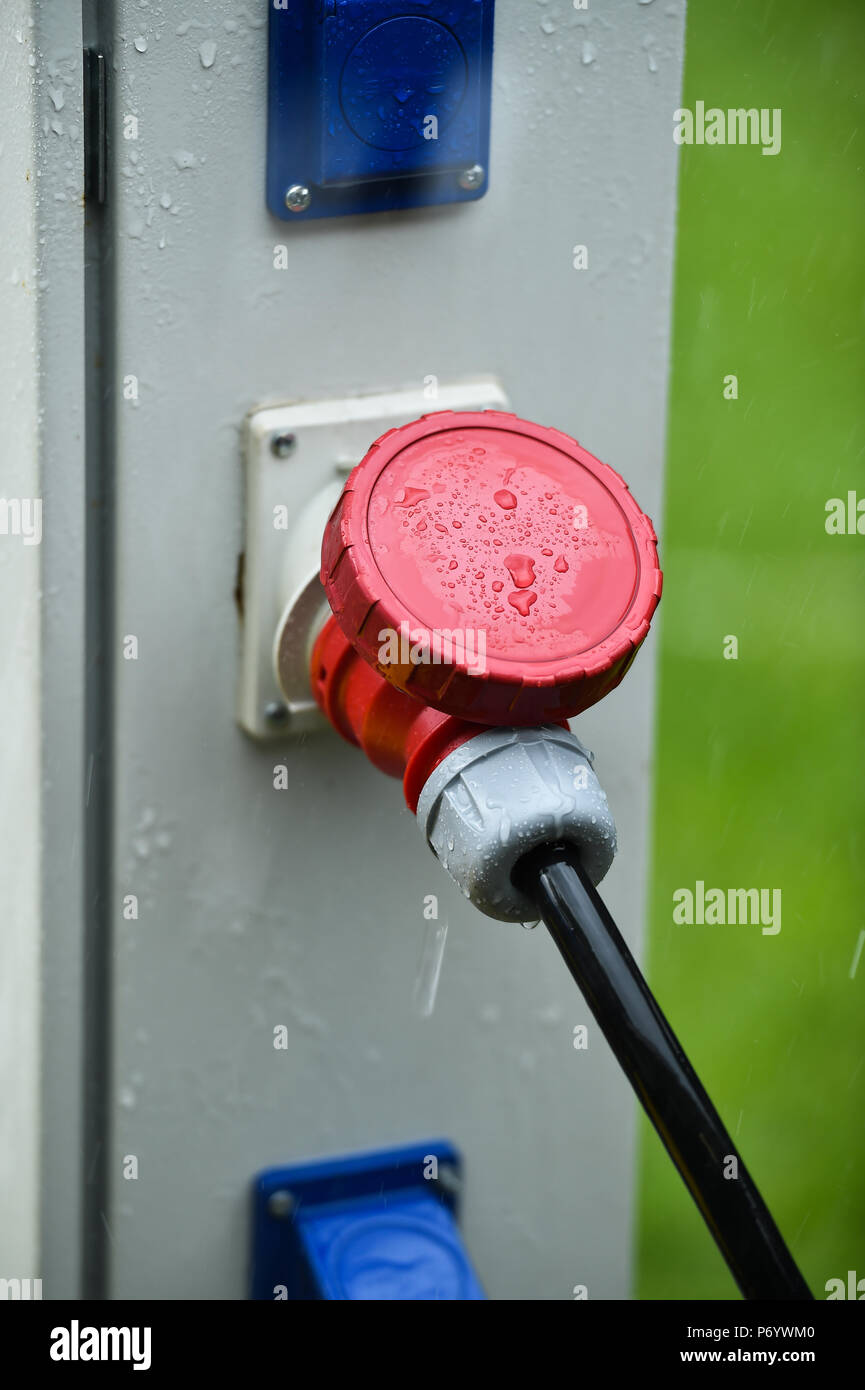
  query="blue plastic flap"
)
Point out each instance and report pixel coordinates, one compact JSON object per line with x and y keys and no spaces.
{"x":379,"y":1226}
{"x":377,"y":104}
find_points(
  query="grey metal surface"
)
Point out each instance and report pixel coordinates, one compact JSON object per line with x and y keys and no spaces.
{"x":20,"y":673}
{"x":503,"y":793}
{"x":56,"y":44}
{"x":305,"y":907}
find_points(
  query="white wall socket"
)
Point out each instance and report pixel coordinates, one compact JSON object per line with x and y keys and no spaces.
{"x":297,"y":457}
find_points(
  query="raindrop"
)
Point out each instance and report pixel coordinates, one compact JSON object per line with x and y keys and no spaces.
{"x":430,"y":967}
{"x":522,"y":570}
{"x":522,"y":600}
{"x":408,"y":496}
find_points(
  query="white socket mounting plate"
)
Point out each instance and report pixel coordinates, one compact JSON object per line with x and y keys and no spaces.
{"x":297,"y":457}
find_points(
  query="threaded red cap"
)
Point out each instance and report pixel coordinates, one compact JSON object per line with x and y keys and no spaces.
{"x":491,"y":567}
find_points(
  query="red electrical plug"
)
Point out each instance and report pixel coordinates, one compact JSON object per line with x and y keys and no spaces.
{"x":482,"y":571}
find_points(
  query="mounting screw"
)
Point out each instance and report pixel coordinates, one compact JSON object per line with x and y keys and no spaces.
{"x":280,"y":1204}
{"x":298,"y":197}
{"x":276,"y":713}
{"x":472,"y":178}
{"x":449,"y":1179}
{"x":283,"y":445}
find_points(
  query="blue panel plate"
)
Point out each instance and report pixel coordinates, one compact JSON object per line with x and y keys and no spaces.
{"x":371,"y":1227}
{"x":375,"y":105}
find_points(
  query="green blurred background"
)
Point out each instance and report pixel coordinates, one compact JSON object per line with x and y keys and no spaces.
{"x":760,"y":774}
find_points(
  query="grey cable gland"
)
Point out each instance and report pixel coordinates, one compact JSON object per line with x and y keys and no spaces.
{"x":503,"y":793}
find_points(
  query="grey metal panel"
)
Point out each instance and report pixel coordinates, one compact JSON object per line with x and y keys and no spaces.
{"x":20,"y":665}
{"x":56,"y":45}
{"x":304,"y":907}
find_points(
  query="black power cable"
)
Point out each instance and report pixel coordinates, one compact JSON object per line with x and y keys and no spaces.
{"x":653,"y":1061}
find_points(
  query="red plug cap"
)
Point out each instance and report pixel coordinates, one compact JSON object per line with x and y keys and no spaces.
{"x":491,"y":567}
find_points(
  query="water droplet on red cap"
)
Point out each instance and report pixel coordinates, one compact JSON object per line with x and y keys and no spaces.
{"x":522,"y":570}
{"x":408,"y":496}
{"x":522,"y":600}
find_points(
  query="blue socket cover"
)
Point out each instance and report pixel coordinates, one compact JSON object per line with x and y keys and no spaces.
{"x":372,"y":1227}
{"x":377,"y":104}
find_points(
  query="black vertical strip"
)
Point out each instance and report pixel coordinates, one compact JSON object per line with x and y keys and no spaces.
{"x":98,"y":660}
{"x":95,"y":126}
